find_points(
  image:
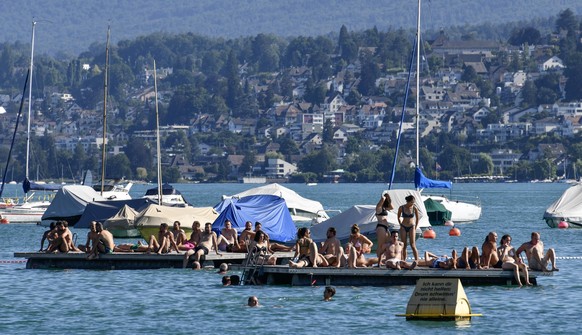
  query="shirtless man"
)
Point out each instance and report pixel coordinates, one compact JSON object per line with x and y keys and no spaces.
{"x":178,"y":232}
{"x":228,"y":239}
{"x":194,"y":239}
{"x":45,"y":237}
{"x":208,"y":241}
{"x":246,"y":236}
{"x":91,"y":235}
{"x":489,"y":257}
{"x":534,"y":251}
{"x":61,"y":239}
{"x":392,"y":252}
{"x":102,"y":243}
{"x":332,"y":249}
{"x":164,"y":242}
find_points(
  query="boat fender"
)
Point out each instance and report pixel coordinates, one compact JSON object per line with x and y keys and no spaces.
{"x":563,"y":225}
{"x":449,"y":223}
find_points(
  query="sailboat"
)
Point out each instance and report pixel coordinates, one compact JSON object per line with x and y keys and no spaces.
{"x":462,"y":211}
{"x":30,"y":211}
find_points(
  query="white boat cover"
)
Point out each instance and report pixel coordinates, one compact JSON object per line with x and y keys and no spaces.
{"x":292,"y":198}
{"x":70,"y":201}
{"x":124,"y":219}
{"x":365,"y":217}
{"x":154,"y":215}
{"x":568,"y":206}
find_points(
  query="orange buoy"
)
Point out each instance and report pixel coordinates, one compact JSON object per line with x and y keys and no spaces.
{"x":455,"y":232}
{"x":429,"y":233}
{"x":4,"y":221}
{"x":563,"y":225}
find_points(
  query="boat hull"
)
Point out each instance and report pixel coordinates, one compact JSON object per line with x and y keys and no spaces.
{"x":553,"y":222}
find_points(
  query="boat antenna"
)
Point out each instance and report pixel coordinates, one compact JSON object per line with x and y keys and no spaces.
{"x":14,"y":134}
{"x":158,"y":151}
{"x":29,"y":103}
{"x":105,"y":88}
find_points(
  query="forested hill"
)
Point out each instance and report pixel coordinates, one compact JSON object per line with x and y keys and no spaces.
{"x":71,"y":26}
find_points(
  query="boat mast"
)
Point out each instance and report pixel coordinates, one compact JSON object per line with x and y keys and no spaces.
{"x":418,"y":85}
{"x":29,"y":101}
{"x":105,"y":79}
{"x":158,"y":138}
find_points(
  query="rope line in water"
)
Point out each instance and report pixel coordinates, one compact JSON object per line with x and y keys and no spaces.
{"x":3,"y":261}
{"x":569,"y":257}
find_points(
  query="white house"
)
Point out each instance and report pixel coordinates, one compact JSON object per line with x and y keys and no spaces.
{"x":554,"y":63}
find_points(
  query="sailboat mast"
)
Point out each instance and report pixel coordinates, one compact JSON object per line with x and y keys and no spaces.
{"x":158,"y":138}
{"x":418,"y":86}
{"x":29,"y":100}
{"x":105,"y":88}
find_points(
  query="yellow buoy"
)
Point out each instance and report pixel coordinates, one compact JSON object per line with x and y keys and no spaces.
{"x":439,"y":299}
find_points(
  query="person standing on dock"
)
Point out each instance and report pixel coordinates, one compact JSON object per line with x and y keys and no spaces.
{"x":534,"y":251}
{"x":382,"y":209}
{"x":408,"y":217}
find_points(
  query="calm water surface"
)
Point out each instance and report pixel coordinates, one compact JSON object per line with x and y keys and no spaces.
{"x":187,"y":302}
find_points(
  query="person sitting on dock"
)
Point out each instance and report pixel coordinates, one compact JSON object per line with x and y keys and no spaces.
{"x":358,"y":246}
{"x":274,"y":246}
{"x":208,"y":241}
{"x":91,"y":235}
{"x":507,"y":254}
{"x":391,"y":254}
{"x":102,"y":243}
{"x":306,"y":251}
{"x":536,"y":258}
{"x":164,"y":242}
{"x":179,"y":233}
{"x":262,"y":249}
{"x":228,"y":239}
{"x":61,"y":239}
{"x":332,"y":249}
{"x":194,"y":239}
{"x":469,"y":259}
{"x":46,"y":235}
{"x":489,"y":257}
{"x":246,"y":236}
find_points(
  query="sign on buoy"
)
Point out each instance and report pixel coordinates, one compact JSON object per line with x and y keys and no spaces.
{"x":439,"y":299}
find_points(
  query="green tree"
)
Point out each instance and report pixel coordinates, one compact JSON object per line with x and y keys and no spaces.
{"x":119,"y":166}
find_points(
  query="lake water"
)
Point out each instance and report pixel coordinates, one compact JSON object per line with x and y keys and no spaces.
{"x":192,"y":302}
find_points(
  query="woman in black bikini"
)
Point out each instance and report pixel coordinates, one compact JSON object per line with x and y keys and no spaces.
{"x":408,"y":218}
{"x":263,"y":249}
{"x":382,"y":209}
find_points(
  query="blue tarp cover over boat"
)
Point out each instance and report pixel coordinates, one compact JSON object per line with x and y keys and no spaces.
{"x":271,"y":211}
{"x":420,"y":181}
{"x":102,"y":210}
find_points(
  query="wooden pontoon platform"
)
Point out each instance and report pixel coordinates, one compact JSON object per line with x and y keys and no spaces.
{"x":283,"y":275}
{"x":128,"y":260}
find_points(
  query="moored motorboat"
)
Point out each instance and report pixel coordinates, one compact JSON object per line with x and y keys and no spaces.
{"x":301,"y":209}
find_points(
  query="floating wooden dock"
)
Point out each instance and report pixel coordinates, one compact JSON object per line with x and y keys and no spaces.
{"x":128,"y":260}
{"x":283,"y":275}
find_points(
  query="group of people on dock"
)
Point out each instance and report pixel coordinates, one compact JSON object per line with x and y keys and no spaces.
{"x":391,"y":251}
